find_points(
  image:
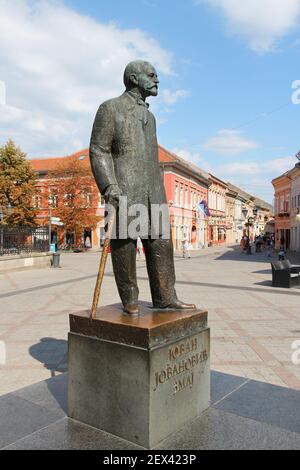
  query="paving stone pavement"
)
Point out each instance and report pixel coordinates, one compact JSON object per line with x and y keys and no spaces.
{"x":253,"y":325}
{"x":258,"y":415}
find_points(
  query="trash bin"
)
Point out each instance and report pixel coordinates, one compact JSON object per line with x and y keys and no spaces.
{"x":55,"y":260}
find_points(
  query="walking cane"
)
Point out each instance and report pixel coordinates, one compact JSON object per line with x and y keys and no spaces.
{"x":102,"y":264}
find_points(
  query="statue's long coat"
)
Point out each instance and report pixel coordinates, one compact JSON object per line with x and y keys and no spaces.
{"x":124,"y":151}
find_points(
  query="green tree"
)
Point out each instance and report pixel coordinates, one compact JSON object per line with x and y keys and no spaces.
{"x":17,"y":187}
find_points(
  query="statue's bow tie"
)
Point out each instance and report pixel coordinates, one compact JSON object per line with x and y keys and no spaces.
{"x":138,"y":99}
{"x":142,"y":103}
{"x":143,"y":111}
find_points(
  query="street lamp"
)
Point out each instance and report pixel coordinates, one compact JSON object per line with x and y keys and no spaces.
{"x":249,"y":223}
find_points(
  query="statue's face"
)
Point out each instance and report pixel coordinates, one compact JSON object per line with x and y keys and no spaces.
{"x":148,"y":81}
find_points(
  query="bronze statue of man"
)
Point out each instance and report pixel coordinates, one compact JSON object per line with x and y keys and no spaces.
{"x":124,"y":160}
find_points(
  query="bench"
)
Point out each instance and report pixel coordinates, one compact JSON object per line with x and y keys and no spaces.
{"x":285,"y":274}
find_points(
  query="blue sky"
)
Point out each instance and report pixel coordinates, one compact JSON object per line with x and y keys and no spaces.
{"x":226,"y":70}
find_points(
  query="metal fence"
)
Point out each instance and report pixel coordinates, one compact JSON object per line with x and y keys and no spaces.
{"x":18,"y":240}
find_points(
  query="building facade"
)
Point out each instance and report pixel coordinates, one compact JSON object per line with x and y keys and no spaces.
{"x":231,"y":213}
{"x":47,"y":203}
{"x":217,"y":228}
{"x":282,"y":187}
{"x":249,"y":207}
{"x":186,"y":187}
{"x":203,"y":209}
{"x":295,"y":208}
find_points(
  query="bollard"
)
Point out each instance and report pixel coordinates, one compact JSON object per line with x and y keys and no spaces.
{"x":55,"y":260}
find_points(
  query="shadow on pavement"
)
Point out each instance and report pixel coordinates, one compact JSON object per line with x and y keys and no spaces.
{"x":264,"y":283}
{"x":237,"y":255}
{"x":263,"y":271}
{"x":52,"y":353}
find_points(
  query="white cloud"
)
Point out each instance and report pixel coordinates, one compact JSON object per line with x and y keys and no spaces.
{"x":272,"y":167}
{"x":170,"y":98}
{"x":58,"y":66}
{"x":193,"y":157}
{"x":280,"y":165}
{"x":237,"y":168}
{"x":229,"y":141}
{"x":2,"y":93}
{"x":255,"y":177}
{"x":260,"y":22}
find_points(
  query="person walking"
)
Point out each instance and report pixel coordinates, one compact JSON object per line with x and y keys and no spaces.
{"x":270,"y":246}
{"x":140,"y":250}
{"x":281,"y":253}
{"x":185,"y":247}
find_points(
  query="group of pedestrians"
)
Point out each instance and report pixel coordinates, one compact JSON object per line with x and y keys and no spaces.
{"x":261,"y":242}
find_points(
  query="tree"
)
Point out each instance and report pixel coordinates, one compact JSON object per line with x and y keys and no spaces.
{"x":74,"y":196}
{"x":17,"y":187}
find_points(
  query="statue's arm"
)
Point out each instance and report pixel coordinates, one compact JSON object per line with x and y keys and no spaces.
{"x":100,"y":148}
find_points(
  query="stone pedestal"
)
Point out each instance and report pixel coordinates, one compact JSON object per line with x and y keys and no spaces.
{"x":140,"y":378}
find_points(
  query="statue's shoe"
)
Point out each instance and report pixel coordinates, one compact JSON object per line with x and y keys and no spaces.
{"x":131,"y":309}
{"x":178,"y":305}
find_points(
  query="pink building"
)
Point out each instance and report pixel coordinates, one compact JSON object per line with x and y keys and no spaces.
{"x":217,"y":208}
{"x":282,"y":186}
{"x":186,"y":187}
{"x":295,"y":208}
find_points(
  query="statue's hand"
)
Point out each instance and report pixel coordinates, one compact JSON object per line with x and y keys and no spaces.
{"x":112,"y":194}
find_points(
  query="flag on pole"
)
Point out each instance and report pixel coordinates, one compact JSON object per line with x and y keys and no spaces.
{"x":203,"y":207}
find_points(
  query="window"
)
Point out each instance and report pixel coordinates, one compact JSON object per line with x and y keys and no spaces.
{"x":53,"y":197}
{"x":287,"y":207}
{"x":53,"y":200}
{"x":181,"y":197}
{"x":87,"y":199}
{"x":176,"y":195}
{"x":281,"y":207}
{"x":69,"y":199}
{"x":37,"y":202}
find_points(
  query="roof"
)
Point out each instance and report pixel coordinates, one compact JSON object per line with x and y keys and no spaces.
{"x":240,"y":192}
{"x":49,"y":164}
{"x":285,"y":175}
{"x":256,"y":200}
{"x":164,"y":156}
{"x":43,"y":165}
{"x":215,"y":179}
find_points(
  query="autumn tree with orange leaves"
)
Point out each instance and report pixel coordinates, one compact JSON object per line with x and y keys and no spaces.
{"x":74,"y":196}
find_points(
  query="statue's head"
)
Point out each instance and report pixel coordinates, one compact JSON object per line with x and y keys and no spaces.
{"x":142,"y":75}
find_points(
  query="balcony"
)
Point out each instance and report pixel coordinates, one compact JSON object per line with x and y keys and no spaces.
{"x":283,"y":214}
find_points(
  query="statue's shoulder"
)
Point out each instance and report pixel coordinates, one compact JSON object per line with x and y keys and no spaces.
{"x":114,"y":103}
{"x":108,"y":104}
{"x":152,"y":115}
